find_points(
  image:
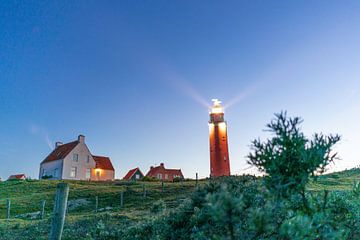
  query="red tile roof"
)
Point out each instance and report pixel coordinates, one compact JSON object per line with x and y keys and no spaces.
{"x":60,"y":152}
{"x":17,"y":176}
{"x":103,"y":163}
{"x":131,"y":173}
{"x":154,"y":170}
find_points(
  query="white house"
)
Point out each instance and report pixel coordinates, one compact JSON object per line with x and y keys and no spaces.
{"x":74,"y":161}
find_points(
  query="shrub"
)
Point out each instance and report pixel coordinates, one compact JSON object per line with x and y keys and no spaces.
{"x":46,"y":177}
{"x":289,"y":158}
{"x":149,"y":179}
{"x":158,"y":207}
{"x":177,"y":179}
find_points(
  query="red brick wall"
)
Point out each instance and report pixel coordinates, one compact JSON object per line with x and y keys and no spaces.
{"x":219,"y":153}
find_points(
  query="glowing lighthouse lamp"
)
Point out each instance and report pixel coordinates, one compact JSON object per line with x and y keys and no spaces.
{"x":219,"y":153}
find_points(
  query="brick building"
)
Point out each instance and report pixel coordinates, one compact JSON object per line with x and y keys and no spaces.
{"x":161,"y":173}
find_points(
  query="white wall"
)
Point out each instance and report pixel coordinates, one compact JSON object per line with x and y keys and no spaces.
{"x":50,"y":167}
{"x":82,"y":150}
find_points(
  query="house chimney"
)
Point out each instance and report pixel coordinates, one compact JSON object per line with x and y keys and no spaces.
{"x":161,"y":164}
{"x":151,"y":167}
{"x":58,"y":144}
{"x":81,"y":138}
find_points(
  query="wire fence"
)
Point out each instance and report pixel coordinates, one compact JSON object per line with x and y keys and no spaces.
{"x":119,"y":196}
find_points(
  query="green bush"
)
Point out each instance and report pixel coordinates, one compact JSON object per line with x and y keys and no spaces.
{"x":149,"y":179}
{"x":158,"y":207}
{"x":289,"y":158}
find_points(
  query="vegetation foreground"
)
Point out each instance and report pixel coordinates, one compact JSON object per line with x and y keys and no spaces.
{"x":228,"y":208}
{"x":293,"y":199}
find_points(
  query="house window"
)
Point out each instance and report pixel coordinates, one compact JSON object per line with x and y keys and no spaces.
{"x":137,"y":176}
{"x":73,"y":172}
{"x":159,"y":176}
{"x":88,"y":173}
{"x":88,"y":159}
{"x":98,"y":173}
{"x":56,"y":173}
{"x":166,"y":176}
{"x":44,"y":173}
{"x":75,"y":157}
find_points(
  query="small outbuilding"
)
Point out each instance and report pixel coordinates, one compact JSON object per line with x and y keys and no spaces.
{"x":164,"y":174}
{"x":134,"y":174}
{"x":17,"y":177}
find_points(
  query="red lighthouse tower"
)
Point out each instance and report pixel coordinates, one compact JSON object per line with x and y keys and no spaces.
{"x":219,"y":153}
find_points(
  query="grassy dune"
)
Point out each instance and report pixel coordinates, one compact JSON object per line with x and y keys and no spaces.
{"x":83,"y":222}
{"x":26,"y":197}
{"x":336,"y":181}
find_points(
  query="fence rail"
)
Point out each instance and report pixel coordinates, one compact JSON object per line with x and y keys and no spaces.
{"x":123,"y":195}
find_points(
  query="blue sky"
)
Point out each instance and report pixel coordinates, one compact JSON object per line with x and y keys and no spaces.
{"x":135,"y":76}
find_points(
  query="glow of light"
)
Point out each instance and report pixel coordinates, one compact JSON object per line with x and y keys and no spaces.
{"x":244,"y":94}
{"x":222,"y":126}
{"x":98,"y":171}
{"x":216,"y":108}
{"x":211,"y":127}
{"x":177,"y":81}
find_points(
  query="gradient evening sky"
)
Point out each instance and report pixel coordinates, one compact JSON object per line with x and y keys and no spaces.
{"x":135,"y":77}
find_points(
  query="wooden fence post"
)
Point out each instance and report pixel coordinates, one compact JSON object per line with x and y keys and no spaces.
{"x":67,"y":208}
{"x":162,"y":186}
{"x":57,"y":223}
{"x":121,"y":199}
{"x":144,"y":191}
{"x":8,"y":206}
{"x":42,"y":209}
{"x":96,"y":203}
{"x":196,"y":179}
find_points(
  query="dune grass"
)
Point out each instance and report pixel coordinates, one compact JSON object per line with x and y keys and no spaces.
{"x":82,"y":222}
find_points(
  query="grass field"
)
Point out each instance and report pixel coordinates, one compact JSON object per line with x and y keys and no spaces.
{"x":26,"y":197}
{"x":336,"y":181}
{"x":82,"y":222}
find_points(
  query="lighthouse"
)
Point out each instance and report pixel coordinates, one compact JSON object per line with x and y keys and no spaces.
{"x":219,"y":153}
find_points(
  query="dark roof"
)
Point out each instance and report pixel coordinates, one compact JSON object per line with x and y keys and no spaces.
{"x":131,"y":173}
{"x":103,"y":163}
{"x":153,"y":170}
{"x":17,"y":176}
{"x":60,"y":152}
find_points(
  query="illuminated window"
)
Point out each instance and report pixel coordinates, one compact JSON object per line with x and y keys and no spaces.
{"x":88,"y":173}
{"x":73,"y":172}
{"x":98,"y":173}
{"x":75,"y":157}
